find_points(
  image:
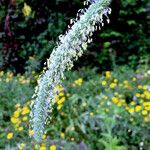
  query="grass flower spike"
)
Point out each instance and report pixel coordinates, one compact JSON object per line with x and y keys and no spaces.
{"x":69,"y":48}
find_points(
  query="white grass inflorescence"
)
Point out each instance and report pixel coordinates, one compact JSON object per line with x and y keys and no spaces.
{"x":69,"y":48}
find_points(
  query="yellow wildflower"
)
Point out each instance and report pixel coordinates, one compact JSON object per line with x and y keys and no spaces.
{"x":43,"y":147}
{"x":139,"y":86}
{"x":20,"y":128}
{"x":21,"y":147}
{"x":31,"y":132}
{"x":25,"y":118}
{"x":144,"y":112}
{"x":103,"y":83}
{"x":17,"y":105}
{"x":132,"y":103}
{"x":91,"y":114}
{"x":138,"y":95}
{"x":147,"y":94}
{"x":133,"y":79}
{"x":115,"y":100}
{"x":28,"y":103}
{"x":16,"y":114}
{"x":52,"y":147}
{"x":61,"y":94}
{"x":115,"y":80}
{"x":59,"y":107}
{"x":25,"y":110}
{"x":125,"y":82}
{"x":112,"y":85}
{"x":131,"y":110}
{"x":26,"y":10}
{"x":119,"y":103}
{"x":1,"y":73}
{"x":137,"y":108}
{"x":78,"y":82}
{"x":14,"y":120}
{"x":146,"y":103}
{"x":61,"y":100}
{"x":44,"y":136}
{"x":108,"y":74}
{"x":84,"y":104}
{"x":62,"y":134}
{"x":145,"y":87}
{"x":146,"y":119}
{"x":72,"y":128}
{"x":9,"y":135}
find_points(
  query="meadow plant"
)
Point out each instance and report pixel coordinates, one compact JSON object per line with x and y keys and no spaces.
{"x":71,"y":45}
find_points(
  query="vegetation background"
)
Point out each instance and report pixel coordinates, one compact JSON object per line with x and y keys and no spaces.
{"x":118,"y":60}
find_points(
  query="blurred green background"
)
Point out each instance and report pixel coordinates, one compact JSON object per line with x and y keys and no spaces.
{"x":105,"y":102}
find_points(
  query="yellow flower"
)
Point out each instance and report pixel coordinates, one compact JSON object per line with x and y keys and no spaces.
{"x":61,"y":94}
{"x":132,"y":103}
{"x":116,"y":93}
{"x":112,"y":85}
{"x":84,"y":104}
{"x":25,"y":118}
{"x":26,"y":10}
{"x":25,"y":110}
{"x":115,"y":100}
{"x":108,"y":74}
{"x":31,"y":132}
{"x":28,"y":103}
{"x":106,"y":110}
{"x":1,"y":73}
{"x":16,"y":114}
{"x":9,"y":135}
{"x":147,"y":94}
{"x":131,"y":110}
{"x":61,"y":100}
{"x":145,"y":87}
{"x":17,"y":105}
{"x":21,"y":147}
{"x":14,"y":120}
{"x":115,"y":80}
{"x":144,"y":112}
{"x":20,"y":128}
{"x":72,"y":128}
{"x":138,"y":95}
{"x":59,"y":107}
{"x":44,"y":136}
{"x":137,"y":108}
{"x":52,"y":147}
{"x":133,"y":79}
{"x":139,"y":86}
{"x":146,"y":119}
{"x":91,"y":114}
{"x":79,"y":82}
{"x":62,"y":134}
{"x":119,"y":103}
{"x":103,"y":83}
{"x":125,"y":82}
{"x":43,"y":147}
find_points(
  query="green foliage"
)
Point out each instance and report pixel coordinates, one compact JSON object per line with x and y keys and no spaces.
{"x":87,"y":108}
{"x":111,"y":143}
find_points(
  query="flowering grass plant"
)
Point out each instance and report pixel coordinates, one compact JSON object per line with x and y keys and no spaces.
{"x":69,"y":48}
